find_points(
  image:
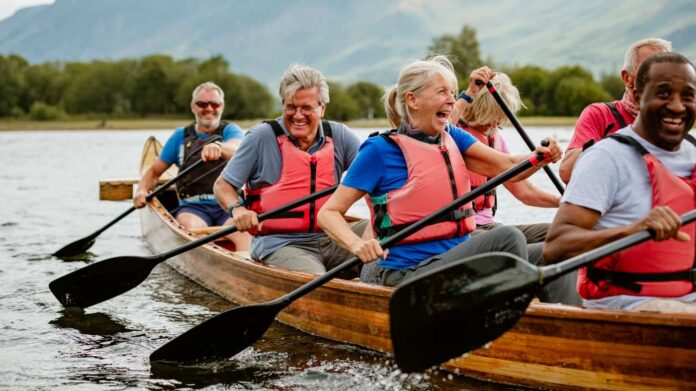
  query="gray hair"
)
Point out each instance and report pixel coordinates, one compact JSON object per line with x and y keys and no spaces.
{"x":208,"y":86}
{"x":413,"y":78}
{"x":485,"y":110}
{"x":631,"y":58}
{"x":303,"y":77}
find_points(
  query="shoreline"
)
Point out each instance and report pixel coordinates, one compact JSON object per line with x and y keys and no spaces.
{"x":171,"y":124}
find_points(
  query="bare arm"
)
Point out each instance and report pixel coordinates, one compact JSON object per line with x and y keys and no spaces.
{"x":532,"y":195}
{"x":331,"y":220}
{"x":226,"y":195}
{"x":148,"y":181}
{"x":566,"y":168}
{"x":215,"y":151}
{"x":488,"y":162}
{"x":571,"y":232}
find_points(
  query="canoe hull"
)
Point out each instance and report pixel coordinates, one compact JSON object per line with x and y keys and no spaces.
{"x":553,"y":346}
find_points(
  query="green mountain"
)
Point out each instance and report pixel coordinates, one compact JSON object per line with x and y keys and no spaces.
{"x":347,"y":39}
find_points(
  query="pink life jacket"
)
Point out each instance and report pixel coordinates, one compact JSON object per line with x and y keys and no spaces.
{"x":301,"y":175}
{"x":660,"y":269}
{"x":487,"y":200}
{"x":431,"y":168}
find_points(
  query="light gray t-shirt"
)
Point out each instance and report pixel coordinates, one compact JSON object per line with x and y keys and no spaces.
{"x":257,"y":161}
{"x":611,"y":178}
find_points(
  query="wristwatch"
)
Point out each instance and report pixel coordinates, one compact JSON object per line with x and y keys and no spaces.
{"x":233,"y":205}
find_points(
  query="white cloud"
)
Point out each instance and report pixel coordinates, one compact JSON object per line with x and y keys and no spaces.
{"x":8,"y":7}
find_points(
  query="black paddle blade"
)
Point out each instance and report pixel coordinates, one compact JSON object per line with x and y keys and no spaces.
{"x":76,"y":248}
{"x":220,"y":337}
{"x":459,"y":307}
{"x":102,"y":280}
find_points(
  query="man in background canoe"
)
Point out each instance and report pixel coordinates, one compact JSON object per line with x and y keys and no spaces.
{"x":640,"y":178}
{"x":285,"y":159}
{"x":599,"y":120}
{"x":208,"y":139}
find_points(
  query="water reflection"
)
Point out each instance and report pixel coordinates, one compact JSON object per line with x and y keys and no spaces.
{"x":90,"y":324}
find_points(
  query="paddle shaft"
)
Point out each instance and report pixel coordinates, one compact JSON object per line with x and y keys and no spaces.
{"x":263,"y":216}
{"x":149,"y":197}
{"x":513,"y":119}
{"x":411,"y":229}
{"x":551,"y":272}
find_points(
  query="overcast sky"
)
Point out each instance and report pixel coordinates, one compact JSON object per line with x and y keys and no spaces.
{"x":8,"y":7}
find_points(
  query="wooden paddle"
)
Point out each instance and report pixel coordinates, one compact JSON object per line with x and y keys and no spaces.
{"x":81,"y":245}
{"x":109,"y":278}
{"x":513,"y":119}
{"x":232,"y":331}
{"x":464,"y":305}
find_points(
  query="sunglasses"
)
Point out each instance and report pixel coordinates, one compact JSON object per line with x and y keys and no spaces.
{"x":204,"y":104}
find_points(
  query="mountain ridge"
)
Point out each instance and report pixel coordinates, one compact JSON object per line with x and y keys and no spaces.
{"x":347,"y":40}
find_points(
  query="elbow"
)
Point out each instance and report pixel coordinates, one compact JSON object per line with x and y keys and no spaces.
{"x":549,"y":253}
{"x":323,"y":218}
{"x":564,"y":172}
{"x":218,"y":187}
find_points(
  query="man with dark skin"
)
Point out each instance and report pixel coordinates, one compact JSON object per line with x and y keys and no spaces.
{"x":611,"y":195}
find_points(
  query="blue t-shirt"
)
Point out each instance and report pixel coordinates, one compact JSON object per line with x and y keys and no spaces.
{"x":380,"y":167}
{"x":173,"y":151}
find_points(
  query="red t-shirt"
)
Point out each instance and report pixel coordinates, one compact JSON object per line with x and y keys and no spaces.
{"x":594,"y":123}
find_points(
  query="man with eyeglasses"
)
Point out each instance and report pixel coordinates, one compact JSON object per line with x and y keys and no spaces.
{"x":285,"y":159}
{"x":208,"y":139}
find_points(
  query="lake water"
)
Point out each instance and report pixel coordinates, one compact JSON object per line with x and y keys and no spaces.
{"x":49,"y":197}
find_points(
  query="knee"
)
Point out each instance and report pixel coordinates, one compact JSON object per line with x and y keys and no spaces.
{"x":513,"y":238}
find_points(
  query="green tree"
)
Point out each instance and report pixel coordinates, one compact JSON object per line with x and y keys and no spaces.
{"x":614,"y":85}
{"x":46,"y":83}
{"x":154,"y":88}
{"x":341,"y":107}
{"x":530,"y":80}
{"x":554,"y":78}
{"x":463,"y":50}
{"x":13,"y":97}
{"x":574,"y":93}
{"x":100,"y":87}
{"x":368,"y":97}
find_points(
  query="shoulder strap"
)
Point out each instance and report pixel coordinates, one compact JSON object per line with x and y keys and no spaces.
{"x":276,"y":127}
{"x":190,"y":130}
{"x":617,"y":116}
{"x":326,"y":126}
{"x":690,"y":139}
{"x":628,"y":140}
{"x":386,"y":135}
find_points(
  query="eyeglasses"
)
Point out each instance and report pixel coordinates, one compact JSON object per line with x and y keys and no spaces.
{"x":291,"y":109}
{"x":205,"y":104}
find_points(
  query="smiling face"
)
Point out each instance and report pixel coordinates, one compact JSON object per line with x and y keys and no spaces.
{"x":208,"y":116}
{"x":429,"y":109}
{"x":302,"y":114}
{"x":667,"y":104}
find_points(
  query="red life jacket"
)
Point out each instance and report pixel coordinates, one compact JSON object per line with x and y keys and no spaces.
{"x":430,"y":168}
{"x":301,"y":175}
{"x":487,"y":200}
{"x":652,"y":268}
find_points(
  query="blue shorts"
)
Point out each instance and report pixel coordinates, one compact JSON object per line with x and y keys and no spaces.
{"x":212,"y":214}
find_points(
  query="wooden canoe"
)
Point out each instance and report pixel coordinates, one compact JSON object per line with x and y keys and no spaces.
{"x":553,"y":346}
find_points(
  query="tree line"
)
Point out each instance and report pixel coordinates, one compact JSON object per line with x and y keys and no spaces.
{"x":155,"y":85}
{"x":158,"y":85}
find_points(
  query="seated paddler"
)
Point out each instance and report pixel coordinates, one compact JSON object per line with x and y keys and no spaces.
{"x":208,"y":139}
{"x":641,"y":177}
{"x":283,"y":160}
{"x":418,"y":167}
{"x":482,"y":119}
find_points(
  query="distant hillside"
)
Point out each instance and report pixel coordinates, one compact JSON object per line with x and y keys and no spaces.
{"x":347,"y":39}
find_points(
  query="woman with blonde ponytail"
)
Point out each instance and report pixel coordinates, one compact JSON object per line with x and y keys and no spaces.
{"x":481,"y":119}
{"x":405,"y":174}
